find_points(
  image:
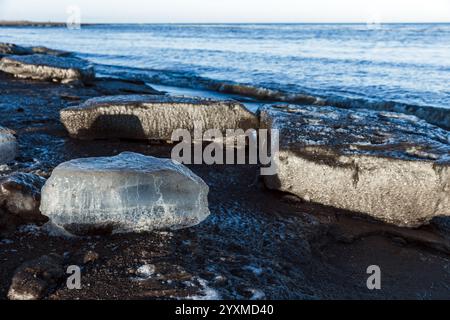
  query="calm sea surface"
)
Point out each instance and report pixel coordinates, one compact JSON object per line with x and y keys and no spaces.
{"x":401,"y":63}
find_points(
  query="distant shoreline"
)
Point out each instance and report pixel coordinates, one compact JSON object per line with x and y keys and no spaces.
{"x":37,"y":24}
{"x":49,"y":24}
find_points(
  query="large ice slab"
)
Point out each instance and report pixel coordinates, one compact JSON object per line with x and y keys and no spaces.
{"x":126,"y":193}
{"x":13,"y":49}
{"x":48,"y":67}
{"x":152,"y":117}
{"x":8,"y":146}
{"x":393,"y":167}
{"x":10,"y":48}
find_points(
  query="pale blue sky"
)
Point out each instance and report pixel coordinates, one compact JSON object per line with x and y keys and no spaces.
{"x":156,"y":11}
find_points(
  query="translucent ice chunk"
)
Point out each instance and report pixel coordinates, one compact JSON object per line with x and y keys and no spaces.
{"x":126,"y":193}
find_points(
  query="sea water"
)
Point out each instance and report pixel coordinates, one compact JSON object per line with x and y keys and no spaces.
{"x":345,"y":64}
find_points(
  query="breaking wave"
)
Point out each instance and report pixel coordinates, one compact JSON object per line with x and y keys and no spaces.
{"x":435,"y":115}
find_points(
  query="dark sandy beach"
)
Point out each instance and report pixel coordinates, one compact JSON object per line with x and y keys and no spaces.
{"x":257,"y":243}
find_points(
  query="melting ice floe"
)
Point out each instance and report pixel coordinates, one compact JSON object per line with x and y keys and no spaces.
{"x":393,"y":167}
{"x":126,"y":193}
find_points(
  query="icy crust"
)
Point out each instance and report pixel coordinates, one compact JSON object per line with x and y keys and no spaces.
{"x":392,"y":167}
{"x":13,"y":49}
{"x":361,"y":132}
{"x":126,"y":193}
{"x":153,"y":117}
{"x":48,"y":67}
{"x":147,"y":99}
{"x":8,"y":146}
{"x":10,"y":48}
{"x":48,"y":51}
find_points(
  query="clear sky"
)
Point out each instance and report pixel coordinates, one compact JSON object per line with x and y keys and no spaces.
{"x":156,"y":11}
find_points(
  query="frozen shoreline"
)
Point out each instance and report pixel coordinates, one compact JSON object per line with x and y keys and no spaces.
{"x":255,"y":240}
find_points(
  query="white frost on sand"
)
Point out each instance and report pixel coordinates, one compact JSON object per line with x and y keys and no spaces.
{"x":30,"y":229}
{"x":256,"y":270}
{"x":49,"y":229}
{"x":206,"y":293}
{"x":144,"y":272}
{"x":257,"y":294}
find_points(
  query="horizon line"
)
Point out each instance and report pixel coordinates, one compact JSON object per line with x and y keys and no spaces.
{"x":37,"y":22}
